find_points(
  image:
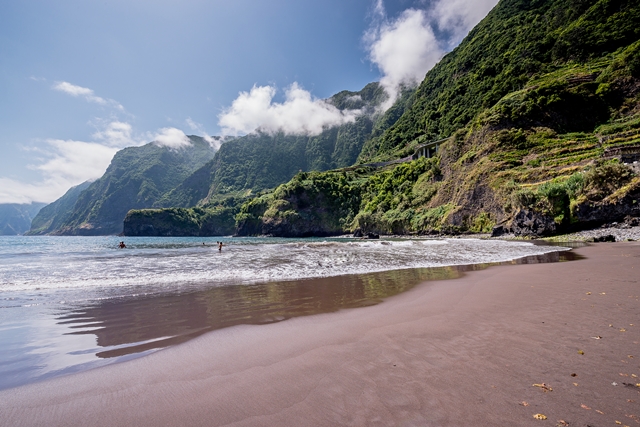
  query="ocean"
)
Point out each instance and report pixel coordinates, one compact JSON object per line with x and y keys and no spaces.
{"x":69,"y":304}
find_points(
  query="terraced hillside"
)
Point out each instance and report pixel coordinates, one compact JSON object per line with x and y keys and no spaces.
{"x":547,"y":152}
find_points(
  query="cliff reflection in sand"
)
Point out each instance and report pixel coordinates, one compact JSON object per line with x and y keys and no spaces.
{"x":125,"y":326}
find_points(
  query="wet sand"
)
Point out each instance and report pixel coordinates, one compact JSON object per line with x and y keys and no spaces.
{"x":459,"y":352}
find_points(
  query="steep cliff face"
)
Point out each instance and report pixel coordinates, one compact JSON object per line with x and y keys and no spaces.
{"x":247,"y":165}
{"x":136,"y":178}
{"x":534,"y":125}
{"x":53,"y":215}
{"x":259,"y":161}
{"x":518,"y":40}
{"x":312,"y":204}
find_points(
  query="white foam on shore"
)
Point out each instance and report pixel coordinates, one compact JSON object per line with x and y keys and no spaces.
{"x":93,"y":268}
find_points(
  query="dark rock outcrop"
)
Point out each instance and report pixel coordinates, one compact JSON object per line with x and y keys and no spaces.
{"x":528,"y":223}
{"x":499,"y":230}
{"x":607,"y":238}
{"x":610,"y":209}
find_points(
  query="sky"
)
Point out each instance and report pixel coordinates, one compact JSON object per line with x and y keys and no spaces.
{"x":82,"y":79}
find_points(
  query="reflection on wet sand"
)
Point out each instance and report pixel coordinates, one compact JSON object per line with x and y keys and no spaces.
{"x":139,"y":324}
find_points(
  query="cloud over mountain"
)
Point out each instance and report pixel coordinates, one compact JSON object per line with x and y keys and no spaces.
{"x":171,"y":138}
{"x":65,"y":163}
{"x":299,"y":114}
{"x":404,"y":50}
{"x":406,"y":47}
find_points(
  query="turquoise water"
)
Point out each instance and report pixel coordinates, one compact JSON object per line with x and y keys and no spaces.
{"x":72,"y":303}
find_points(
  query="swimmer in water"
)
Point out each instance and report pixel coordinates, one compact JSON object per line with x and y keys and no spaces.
{"x":122,"y":245}
{"x":220,"y":245}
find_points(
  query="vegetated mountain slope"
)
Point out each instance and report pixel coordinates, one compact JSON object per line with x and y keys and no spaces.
{"x":516,"y":41}
{"x":245,"y":166}
{"x":136,"y":178}
{"x":542,"y":102}
{"x":52,"y":216}
{"x":16,"y":218}
{"x":260,"y":161}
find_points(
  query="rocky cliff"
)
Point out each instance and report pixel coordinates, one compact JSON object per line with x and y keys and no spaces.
{"x":138,"y":177}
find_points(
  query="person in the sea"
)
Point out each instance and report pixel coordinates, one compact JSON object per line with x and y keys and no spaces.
{"x":122,"y":245}
{"x":220,"y":245}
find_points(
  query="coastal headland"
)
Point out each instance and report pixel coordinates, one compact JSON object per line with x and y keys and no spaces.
{"x":494,"y":347}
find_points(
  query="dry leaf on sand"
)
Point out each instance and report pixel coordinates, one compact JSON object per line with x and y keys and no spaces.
{"x":544,"y":387}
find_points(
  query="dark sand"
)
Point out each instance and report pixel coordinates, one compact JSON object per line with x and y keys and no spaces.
{"x":460,"y":352}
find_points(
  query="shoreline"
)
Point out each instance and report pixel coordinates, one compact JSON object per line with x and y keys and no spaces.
{"x":79,"y":336}
{"x":463,"y":351}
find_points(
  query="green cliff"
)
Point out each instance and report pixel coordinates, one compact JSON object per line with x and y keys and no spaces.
{"x":245,"y":166}
{"x":54,"y":215}
{"x":540,"y":108}
{"x":138,"y":177}
{"x":518,"y":40}
{"x":260,"y":161}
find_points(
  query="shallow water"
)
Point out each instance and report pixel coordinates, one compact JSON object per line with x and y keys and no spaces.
{"x":72,"y":303}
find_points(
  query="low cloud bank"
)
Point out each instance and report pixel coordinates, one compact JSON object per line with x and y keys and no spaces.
{"x":215,"y":143}
{"x":403,"y":49}
{"x":171,"y":138}
{"x":299,"y":114}
{"x":406,"y":48}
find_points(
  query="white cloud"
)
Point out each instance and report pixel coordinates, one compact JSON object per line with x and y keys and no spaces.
{"x":116,"y":134}
{"x":460,"y":16}
{"x":77,"y":161}
{"x":13,"y":191}
{"x":171,"y":138}
{"x":66,"y":163}
{"x":299,"y":114}
{"x":197,"y":127}
{"x":406,"y":48}
{"x":86,"y":93}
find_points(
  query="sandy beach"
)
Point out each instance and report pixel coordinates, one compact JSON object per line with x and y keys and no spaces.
{"x":459,"y":352}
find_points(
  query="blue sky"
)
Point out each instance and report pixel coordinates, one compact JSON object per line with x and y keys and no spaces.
{"x":80,"y":79}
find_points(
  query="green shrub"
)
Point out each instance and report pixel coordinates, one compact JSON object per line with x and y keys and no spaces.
{"x":605,"y":178}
